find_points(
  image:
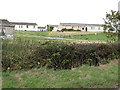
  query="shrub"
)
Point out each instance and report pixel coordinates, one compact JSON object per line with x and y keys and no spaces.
{"x":69,"y":56}
{"x":25,"y":54}
{"x":64,"y":29}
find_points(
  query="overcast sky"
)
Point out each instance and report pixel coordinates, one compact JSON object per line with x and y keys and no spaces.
{"x":45,"y":12}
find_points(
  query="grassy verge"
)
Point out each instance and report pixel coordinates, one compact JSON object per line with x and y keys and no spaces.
{"x":104,"y":76}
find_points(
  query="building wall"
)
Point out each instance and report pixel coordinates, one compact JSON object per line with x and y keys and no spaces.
{"x":26,"y":27}
{"x":9,"y":32}
{"x":83,"y":28}
{"x":42,"y":30}
{"x":95,"y":28}
{"x":55,"y":29}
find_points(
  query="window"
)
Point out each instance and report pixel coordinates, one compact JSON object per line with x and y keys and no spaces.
{"x":34,"y":26}
{"x":21,"y":26}
{"x":98,"y":28}
{"x":27,"y":26}
{"x":92,"y":28}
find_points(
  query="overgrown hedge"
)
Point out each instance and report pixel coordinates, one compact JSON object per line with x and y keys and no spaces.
{"x":57,"y":56}
{"x":69,"y":56}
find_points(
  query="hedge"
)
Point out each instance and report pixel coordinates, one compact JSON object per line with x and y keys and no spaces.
{"x":58,"y":56}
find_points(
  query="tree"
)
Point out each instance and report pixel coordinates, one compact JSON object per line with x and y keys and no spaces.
{"x":111,"y":23}
{"x":49,"y":27}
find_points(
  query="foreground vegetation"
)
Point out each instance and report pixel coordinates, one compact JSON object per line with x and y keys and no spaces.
{"x":104,"y":76}
{"x":29,"y":61}
{"x":27,"y":54}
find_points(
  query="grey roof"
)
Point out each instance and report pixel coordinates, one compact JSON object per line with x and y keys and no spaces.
{"x":23,"y":23}
{"x":5,"y":22}
{"x":80,"y":24}
{"x":54,"y":25}
{"x":41,"y":27}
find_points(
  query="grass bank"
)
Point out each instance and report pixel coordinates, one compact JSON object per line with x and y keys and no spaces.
{"x":104,"y":76}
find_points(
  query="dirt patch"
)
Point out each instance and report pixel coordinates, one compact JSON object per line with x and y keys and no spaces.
{"x":113,"y":62}
{"x":18,"y":76}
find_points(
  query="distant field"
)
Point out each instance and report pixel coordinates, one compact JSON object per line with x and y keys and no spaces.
{"x":84,"y":36}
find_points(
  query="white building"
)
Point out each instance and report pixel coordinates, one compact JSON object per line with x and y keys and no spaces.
{"x":82,"y":27}
{"x":42,"y":29}
{"x":25,"y":26}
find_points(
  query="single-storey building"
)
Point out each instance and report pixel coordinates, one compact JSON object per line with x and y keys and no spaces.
{"x":6,"y":29}
{"x":42,"y":29}
{"x":25,"y":26}
{"x":82,"y":27}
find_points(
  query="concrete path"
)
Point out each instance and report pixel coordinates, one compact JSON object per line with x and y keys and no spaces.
{"x":59,"y":38}
{"x":81,"y":41}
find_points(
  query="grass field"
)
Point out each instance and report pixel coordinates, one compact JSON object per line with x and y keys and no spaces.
{"x":103,"y":76}
{"x":76,"y":36}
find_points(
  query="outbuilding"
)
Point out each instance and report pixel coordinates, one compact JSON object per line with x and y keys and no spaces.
{"x":6,"y":29}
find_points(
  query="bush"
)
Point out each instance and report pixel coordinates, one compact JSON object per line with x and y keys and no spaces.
{"x":69,"y":56}
{"x":29,"y":54}
{"x":64,"y":29}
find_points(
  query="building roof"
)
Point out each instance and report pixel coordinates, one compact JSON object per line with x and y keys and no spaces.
{"x":54,"y":25}
{"x":41,"y":27}
{"x":5,"y":22}
{"x":23,"y":23}
{"x":79,"y":24}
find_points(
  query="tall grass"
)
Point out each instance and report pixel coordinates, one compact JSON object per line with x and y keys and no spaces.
{"x":16,"y":50}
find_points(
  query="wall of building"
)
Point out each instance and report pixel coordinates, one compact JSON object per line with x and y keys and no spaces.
{"x":9,"y":32}
{"x":83,"y":28}
{"x":55,"y":29}
{"x":26,"y":27}
{"x":95,"y":28}
{"x":42,"y":30}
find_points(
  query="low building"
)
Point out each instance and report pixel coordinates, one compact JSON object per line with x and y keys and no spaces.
{"x":82,"y":27}
{"x":6,"y":29}
{"x":42,"y":29}
{"x":25,"y":26}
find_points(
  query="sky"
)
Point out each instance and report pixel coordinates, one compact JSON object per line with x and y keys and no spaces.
{"x":53,"y":12}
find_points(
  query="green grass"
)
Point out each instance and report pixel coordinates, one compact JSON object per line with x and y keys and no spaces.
{"x":81,"y":77}
{"x":90,"y":37}
{"x":30,"y":33}
{"x":38,"y":36}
